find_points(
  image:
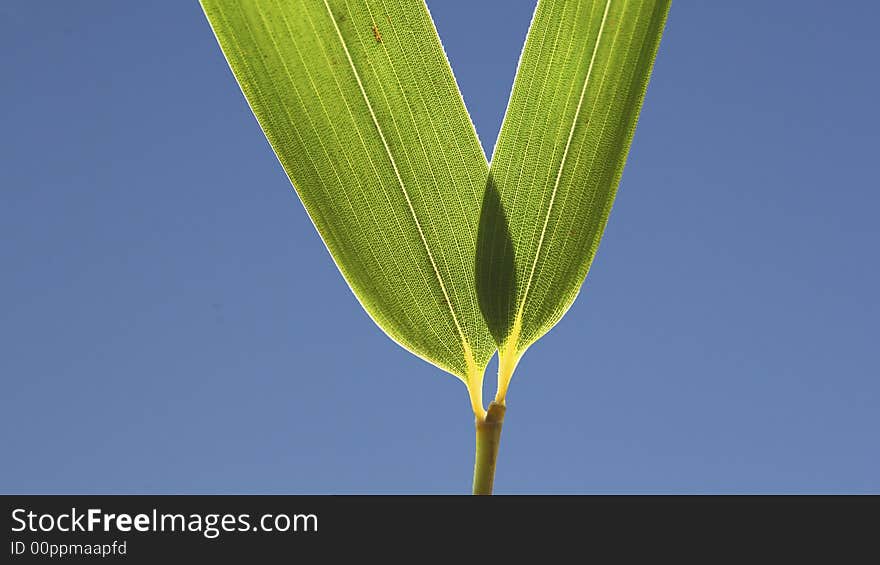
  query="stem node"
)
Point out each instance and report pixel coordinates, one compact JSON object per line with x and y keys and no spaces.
{"x":488,"y":439}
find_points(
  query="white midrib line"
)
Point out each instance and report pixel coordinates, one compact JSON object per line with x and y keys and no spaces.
{"x":562,"y":162}
{"x":397,"y":174}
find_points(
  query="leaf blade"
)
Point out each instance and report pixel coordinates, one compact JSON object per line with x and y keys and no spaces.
{"x":559,"y":157}
{"x":356,"y":98}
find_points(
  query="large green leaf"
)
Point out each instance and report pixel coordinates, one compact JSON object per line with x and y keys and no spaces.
{"x":558,"y":160}
{"x":359,"y":103}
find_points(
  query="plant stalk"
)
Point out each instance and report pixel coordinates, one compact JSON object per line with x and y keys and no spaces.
{"x":488,"y":439}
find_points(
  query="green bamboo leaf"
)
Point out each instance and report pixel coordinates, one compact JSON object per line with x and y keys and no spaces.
{"x":359,"y":103}
{"x":558,"y":160}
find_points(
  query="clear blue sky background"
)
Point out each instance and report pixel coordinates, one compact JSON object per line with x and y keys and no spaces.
{"x":170,"y":321}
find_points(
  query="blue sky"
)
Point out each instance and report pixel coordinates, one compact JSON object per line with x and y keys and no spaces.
{"x":171,"y":322}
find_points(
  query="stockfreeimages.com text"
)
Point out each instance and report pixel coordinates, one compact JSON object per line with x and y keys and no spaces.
{"x":209,"y":525}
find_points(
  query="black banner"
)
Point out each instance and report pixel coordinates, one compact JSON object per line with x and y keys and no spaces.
{"x":151,"y":529}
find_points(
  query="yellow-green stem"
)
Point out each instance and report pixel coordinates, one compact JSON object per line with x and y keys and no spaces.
{"x":488,"y":438}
